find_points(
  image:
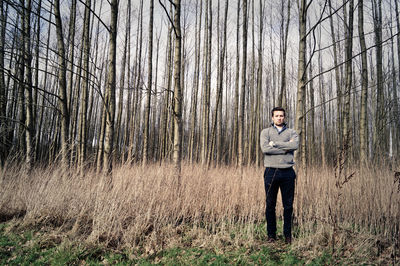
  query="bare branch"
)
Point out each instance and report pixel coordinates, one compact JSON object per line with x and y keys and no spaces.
{"x":169,"y":18}
{"x":92,"y":11}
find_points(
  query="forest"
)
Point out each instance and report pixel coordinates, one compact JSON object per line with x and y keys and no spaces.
{"x":136,"y":124}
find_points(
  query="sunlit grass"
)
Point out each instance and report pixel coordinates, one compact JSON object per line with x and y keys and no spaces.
{"x":146,"y":210}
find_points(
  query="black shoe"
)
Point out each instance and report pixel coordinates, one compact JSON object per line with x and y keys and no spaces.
{"x":288,"y":240}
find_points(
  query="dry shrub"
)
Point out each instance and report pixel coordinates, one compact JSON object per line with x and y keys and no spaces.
{"x":146,"y":208}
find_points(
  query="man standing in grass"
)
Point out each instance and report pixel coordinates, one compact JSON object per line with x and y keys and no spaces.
{"x":278,"y":144}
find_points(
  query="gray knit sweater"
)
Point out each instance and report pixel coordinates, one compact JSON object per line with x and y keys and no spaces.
{"x":280,"y":155}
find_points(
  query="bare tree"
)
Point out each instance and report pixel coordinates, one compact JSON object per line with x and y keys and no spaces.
{"x":27,"y":82}
{"x":110,"y":88}
{"x":220,"y":84}
{"x":193,"y":106}
{"x":378,"y":136}
{"x":243,"y":87}
{"x":177,"y":88}
{"x":302,"y":75}
{"x":349,"y":74}
{"x":3,"y":99}
{"x":364,"y":86}
{"x":118,"y":124}
{"x":259,"y":82}
{"x":235,"y":111}
{"x":149,"y":86}
{"x":83,"y":129}
{"x":206,"y":83}
{"x":284,"y":31}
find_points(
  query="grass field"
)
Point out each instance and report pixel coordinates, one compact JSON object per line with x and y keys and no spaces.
{"x":216,"y":216}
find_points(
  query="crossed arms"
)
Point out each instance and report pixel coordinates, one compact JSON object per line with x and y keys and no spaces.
{"x":278,"y":147}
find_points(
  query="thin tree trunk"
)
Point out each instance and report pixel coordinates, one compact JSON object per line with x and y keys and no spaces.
{"x":3,"y":99}
{"x":322,"y":113}
{"x":125,"y":142}
{"x":149,"y":85}
{"x":177,"y":90}
{"x":85,"y":88}
{"x":311,"y":130}
{"x":110,"y":89}
{"x":220,"y":82}
{"x":302,"y":76}
{"x":135,"y":132}
{"x":282,"y":101}
{"x":71,"y":52}
{"x":234,"y":155}
{"x":118,"y":124}
{"x":206,"y":83}
{"x":44,"y":85}
{"x":378,"y":137}
{"x":167,"y":83}
{"x":259,"y":84}
{"x":155,"y":118}
{"x":349,"y":74}
{"x":395,"y":90}
{"x":27,"y":59}
{"x":337,"y":79}
{"x":193,"y":112}
{"x":364,"y":87}
{"x":243,"y":87}
{"x":36,"y":76}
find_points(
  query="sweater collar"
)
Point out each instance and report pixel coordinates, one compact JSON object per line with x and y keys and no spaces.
{"x":277,"y":129}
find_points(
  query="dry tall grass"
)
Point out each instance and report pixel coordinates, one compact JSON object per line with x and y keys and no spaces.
{"x":145,"y":206}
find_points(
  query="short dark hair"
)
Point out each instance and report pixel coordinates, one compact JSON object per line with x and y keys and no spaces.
{"x":278,"y":109}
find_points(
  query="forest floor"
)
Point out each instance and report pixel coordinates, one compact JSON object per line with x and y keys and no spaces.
{"x":57,"y":216}
{"x":45,"y":246}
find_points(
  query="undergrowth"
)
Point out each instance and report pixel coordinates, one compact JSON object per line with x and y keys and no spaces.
{"x":214,"y":210}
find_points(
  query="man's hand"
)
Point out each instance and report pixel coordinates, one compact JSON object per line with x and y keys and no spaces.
{"x":271,"y":143}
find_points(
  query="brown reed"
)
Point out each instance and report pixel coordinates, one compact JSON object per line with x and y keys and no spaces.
{"x":146,"y":208}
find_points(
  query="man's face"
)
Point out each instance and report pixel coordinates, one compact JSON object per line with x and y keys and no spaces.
{"x":278,"y":118}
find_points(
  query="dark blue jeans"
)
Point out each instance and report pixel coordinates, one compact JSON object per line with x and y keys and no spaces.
{"x":283,"y":179}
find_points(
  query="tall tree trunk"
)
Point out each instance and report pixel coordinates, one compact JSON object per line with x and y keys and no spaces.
{"x":206,"y":83}
{"x":302,"y":74}
{"x":137,"y":107}
{"x":243,"y":87}
{"x":155,"y":116}
{"x":395,"y":90}
{"x":36,"y":75}
{"x":311,"y":131}
{"x":118,"y":124}
{"x":219,"y":83}
{"x":251,"y":104}
{"x":3,"y":99}
{"x":83,"y":129}
{"x":71,"y":52}
{"x":337,"y":79}
{"x":62,"y":81}
{"x":149,"y":85}
{"x":364,"y":87}
{"x":27,"y":59}
{"x":235,"y":127}
{"x":322,"y":113}
{"x":193,"y":111}
{"x":44,"y":85}
{"x":282,"y":101}
{"x":349,"y":77}
{"x":259,"y":84}
{"x":166,"y":104}
{"x":177,"y":90}
{"x":380,"y":117}
{"x":110,"y":89}
{"x":125,"y":142}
